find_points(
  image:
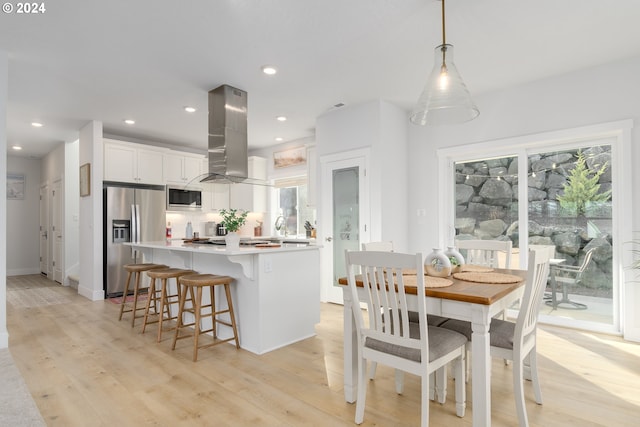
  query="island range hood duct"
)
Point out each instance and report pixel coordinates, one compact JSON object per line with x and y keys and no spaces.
{"x":227,"y":152}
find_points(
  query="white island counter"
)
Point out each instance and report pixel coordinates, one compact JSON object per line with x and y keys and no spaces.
{"x":276,"y":294}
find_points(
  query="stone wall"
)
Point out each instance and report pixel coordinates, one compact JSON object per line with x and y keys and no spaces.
{"x":487,"y":208}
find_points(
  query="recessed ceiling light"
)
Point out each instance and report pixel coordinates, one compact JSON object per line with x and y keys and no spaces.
{"x":279,"y":138}
{"x":130,"y":122}
{"x":16,"y":147}
{"x":281,"y":118}
{"x":189,"y":109}
{"x":36,"y":124}
{"x":269,"y":70}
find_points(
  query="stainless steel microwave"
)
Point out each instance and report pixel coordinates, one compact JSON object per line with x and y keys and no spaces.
{"x":184,"y":198}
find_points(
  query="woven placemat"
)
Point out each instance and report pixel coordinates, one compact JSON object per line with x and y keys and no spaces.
{"x":471,"y":268}
{"x":487,"y":277}
{"x":429,"y":281}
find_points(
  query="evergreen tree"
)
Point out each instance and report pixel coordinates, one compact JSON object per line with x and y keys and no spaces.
{"x":582,"y":187}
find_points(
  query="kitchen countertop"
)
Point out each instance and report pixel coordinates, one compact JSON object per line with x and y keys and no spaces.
{"x":180,"y":245}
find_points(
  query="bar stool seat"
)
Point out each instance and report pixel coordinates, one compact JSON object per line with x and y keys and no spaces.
{"x":193,"y":285}
{"x":135,"y":270}
{"x":161,"y":298}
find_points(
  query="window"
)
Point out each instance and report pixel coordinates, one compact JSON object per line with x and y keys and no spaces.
{"x":292,"y":207}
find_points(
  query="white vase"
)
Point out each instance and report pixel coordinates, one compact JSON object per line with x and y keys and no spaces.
{"x":232,"y":239}
{"x":452,"y":252}
{"x":437,"y":264}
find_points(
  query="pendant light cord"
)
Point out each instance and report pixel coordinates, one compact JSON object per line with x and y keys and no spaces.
{"x":444,"y":43}
{"x":444,"y":37}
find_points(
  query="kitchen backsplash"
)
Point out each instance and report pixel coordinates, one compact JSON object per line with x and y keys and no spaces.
{"x":198,"y":221}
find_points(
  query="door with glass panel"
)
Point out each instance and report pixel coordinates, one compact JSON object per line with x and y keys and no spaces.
{"x":344,"y":219}
{"x":567,"y":207}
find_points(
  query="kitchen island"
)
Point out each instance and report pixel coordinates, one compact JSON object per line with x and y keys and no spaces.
{"x":276,"y":292}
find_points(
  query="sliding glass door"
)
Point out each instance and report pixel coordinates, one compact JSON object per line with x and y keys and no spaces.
{"x":560,"y":199}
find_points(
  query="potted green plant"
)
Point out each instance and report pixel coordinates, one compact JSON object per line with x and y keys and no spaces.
{"x":233,"y":219}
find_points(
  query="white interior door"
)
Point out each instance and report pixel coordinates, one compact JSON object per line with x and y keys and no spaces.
{"x":57,"y":240}
{"x":44,"y":230}
{"x":345,"y":216}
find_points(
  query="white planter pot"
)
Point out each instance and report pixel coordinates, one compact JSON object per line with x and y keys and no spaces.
{"x":437,"y":264}
{"x":232,"y":239}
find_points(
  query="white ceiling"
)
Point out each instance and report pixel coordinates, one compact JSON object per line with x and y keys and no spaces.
{"x":99,"y":60}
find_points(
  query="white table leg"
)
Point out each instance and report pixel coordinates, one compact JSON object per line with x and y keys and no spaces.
{"x":350,"y":351}
{"x":481,"y":369}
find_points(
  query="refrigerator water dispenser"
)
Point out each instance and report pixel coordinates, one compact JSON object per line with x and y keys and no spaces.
{"x":121,"y":230}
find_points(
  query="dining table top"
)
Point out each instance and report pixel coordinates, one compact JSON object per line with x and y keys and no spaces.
{"x":465,"y":291}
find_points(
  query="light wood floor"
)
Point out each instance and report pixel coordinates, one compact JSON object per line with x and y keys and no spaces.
{"x":85,"y":368}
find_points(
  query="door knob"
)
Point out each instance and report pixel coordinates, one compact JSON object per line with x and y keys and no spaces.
{"x":328,"y":239}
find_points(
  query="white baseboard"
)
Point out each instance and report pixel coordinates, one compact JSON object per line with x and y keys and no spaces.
{"x":4,"y":339}
{"x":91,"y":294}
{"x":22,"y":271}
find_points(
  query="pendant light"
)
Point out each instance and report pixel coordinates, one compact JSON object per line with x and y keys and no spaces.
{"x":445,"y":98}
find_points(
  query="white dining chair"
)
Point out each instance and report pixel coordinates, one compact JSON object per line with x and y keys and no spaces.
{"x":432,"y":319}
{"x":388,"y":337}
{"x":516,"y":341}
{"x":487,"y":253}
{"x":384,"y":246}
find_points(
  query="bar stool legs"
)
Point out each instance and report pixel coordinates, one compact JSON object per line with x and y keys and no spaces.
{"x":161,"y":298}
{"x":193,"y":285}
{"x":136,"y":271}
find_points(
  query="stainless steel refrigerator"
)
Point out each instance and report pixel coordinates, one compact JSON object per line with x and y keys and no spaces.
{"x":132,"y":213}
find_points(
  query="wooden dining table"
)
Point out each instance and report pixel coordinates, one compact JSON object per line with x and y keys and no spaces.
{"x":471,"y":301}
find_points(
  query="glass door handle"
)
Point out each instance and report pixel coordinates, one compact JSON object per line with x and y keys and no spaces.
{"x":328,"y":239}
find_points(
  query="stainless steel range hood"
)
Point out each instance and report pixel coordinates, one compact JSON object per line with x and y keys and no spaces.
{"x":227,"y":135}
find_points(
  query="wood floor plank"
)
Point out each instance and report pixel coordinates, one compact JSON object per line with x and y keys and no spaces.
{"x":86,"y":368}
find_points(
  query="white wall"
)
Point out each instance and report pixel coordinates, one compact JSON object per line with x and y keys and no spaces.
{"x":90,"y":211}
{"x":606,"y":93}
{"x":382,"y":127}
{"x":53,"y":165}
{"x":23,"y":216}
{"x":71,"y":211}
{"x":4,"y":77}
{"x":391,"y":159}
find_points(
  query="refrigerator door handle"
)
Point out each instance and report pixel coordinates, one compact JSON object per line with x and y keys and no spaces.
{"x":134,"y":229}
{"x":138,"y":231}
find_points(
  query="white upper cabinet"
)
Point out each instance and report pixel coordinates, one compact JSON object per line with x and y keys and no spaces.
{"x":219,"y":196}
{"x":182,"y":168}
{"x":137,"y":163}
{"x":214,"y":196}
{"x":251,"y":197}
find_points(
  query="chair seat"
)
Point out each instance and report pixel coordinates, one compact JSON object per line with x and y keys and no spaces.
{"x":169,"y":273}
{"x":136,"y":268}
{"x":501,"y":331}
{"x":205,"y":280}
{"x":441,"y":342}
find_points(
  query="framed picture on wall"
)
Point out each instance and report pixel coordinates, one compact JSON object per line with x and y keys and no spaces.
{"x":290,"y":157}
{"x":15,"y":186}
{"x":85,"y":180}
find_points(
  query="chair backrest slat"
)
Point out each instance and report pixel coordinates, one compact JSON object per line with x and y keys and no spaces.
{"x":486,"y":252}
{"x":537,"y":275}
{"x":386,"y":246}
{"x":586,"y":260}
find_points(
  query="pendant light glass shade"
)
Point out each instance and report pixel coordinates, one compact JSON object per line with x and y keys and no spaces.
{"x":445,"y":98}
